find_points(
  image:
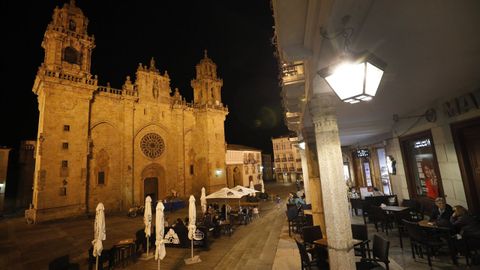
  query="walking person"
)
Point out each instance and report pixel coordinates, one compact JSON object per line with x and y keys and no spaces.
{"x":277,"y":201}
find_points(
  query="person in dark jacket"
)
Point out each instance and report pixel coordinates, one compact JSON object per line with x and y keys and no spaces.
{"x":467,"y":232}
{"x":463,"y":223}
{"x":441,"y":212}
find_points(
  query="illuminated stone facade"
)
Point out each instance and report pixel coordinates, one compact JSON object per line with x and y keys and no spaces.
{"x":115,"y":146}
{"x":244,"y":164}
{"x":288,"y":163}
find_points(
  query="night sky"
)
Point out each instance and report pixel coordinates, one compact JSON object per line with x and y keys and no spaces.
{"x":237,"y":35}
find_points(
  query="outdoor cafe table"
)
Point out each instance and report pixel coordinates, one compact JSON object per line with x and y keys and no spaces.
{"x":427,"y":224}
{"x":394,"y":208}
{"x":324,"y":242}
{"x":307,"y":212}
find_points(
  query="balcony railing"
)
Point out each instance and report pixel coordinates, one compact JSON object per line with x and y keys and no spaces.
{"x":292,"y":169}
{"x":293,"y":73}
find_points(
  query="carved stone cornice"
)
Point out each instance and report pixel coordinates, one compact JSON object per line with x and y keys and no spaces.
{"x":323,"y":112}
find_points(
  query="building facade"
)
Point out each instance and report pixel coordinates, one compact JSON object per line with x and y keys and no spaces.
{"x":267,"y":167}
{"x":26,"y":169}
{"x":244,"y":164}
{"x":116,"y":146}
{"x":4,"y":156}
{"x":287,"y":160}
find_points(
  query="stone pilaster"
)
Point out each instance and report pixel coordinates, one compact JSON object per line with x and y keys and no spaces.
{"x":330,"y":163}
{"x":314,"y":187}
{"x":306,"y":180}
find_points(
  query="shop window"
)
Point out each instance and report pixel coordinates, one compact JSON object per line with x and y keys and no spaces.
{"x":423,"y":176}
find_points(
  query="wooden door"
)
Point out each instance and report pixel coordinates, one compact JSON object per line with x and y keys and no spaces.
{"x":466,"y":136}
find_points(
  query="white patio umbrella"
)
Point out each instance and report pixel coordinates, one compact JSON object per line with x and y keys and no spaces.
{"x":203,"y":201}
{"x":225,"y":193}
{"x":245,"y":190}
{"x":263,"y":185}
{"x":99,"y":234}
{"x":160,"y":251}
{"x":192,"y":219}
{"x":147,"y":220}
{"x":252,"y":187}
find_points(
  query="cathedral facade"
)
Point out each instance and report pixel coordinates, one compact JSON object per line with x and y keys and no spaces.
{"x":116,"y":146}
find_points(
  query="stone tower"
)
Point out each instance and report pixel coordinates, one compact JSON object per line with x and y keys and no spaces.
{"x":210,"y":117}
{"x":64,"y":88}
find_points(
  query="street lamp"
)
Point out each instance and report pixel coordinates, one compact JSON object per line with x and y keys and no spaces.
{"x":356,"y":77}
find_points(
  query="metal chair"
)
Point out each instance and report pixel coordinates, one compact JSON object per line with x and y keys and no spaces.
{"x":419,"y":239}
{"x":306,"y":262}
{"x":380,"y":252}
{"x":360,"y":232}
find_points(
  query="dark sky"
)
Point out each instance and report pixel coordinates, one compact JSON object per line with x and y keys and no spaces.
{"x":237,"y":35}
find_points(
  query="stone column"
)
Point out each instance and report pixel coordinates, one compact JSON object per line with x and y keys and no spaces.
{"x":340,"y":248}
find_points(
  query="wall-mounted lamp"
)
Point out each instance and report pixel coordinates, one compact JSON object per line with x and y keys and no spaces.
{"x":218,"y":172}
{"x":356,"y":76}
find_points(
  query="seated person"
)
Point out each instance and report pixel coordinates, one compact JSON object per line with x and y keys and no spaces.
{"x":182,"y":231}
{"x":377,"y":192}
{"x":299,"y":201}
{"x":441,"y":213}
{"x":291,"y":198}
{"x":216,"y":227}
{"x":466,"y":228}
{"x":463,"y":223}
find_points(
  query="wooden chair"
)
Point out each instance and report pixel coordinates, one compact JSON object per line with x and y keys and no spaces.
{"x":380,"y":252}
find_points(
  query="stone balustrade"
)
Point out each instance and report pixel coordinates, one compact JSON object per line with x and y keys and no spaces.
{"x":69,"y":33}
{"x":68,"y":77}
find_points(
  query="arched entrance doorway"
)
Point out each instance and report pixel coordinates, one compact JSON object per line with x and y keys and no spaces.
{"x":150,"y":188}
{"x":153,"y":177}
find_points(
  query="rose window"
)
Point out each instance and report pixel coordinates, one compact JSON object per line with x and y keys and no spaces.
{"x":152,"y":145}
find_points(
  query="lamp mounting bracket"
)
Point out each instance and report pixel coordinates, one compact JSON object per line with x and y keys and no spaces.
{"x":430,"y":115}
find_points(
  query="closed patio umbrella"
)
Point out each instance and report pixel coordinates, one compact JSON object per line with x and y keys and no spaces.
{"x":203,"y":201}
{"x":263,"y":185}
{"x":160,"y":251}
{"x":252,"y":187}
{"x":192,"y":219}
{"x":147,"y":220}
{"x":99,"y":232}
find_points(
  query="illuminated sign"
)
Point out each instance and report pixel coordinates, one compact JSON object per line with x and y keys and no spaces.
{"x":422,"y":143}
{"x":363,"y":153}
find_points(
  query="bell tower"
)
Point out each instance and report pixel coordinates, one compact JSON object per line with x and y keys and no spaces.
{"x":209,"y":132}
{"x":207,"y":86}
{"x":64,"y":89}
{"x":68,"y":47}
